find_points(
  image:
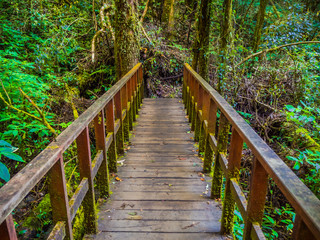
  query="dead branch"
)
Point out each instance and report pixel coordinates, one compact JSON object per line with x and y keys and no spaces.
{"x":43,"y":117}
{"x":275,"y":49}
{"x":144,"y":11}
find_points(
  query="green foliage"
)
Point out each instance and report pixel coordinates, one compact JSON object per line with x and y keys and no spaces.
{"x":40,"y":217}
{"x":7,"y":150}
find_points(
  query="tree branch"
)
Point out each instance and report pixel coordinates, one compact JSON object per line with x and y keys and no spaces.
{"x":274,"y":49}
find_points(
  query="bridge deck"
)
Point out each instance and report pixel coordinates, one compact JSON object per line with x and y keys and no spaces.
{"x":162,"y":194}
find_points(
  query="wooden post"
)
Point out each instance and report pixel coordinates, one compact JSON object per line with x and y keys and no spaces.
{"x":118,"y":115}
{"x":112,"y":151}
{"x":234,"y":163}
{"x":211,"y":129}
{"x":200,"y":122}
{"x":7,"y":229}
{"x":196,"y":108}
{"x":103,"y":172}
{"x":300,"y":229}
{"x":59,"y":196}
{"x":124,"y":104}
{"x":85,"y":167}
{"x":223,"y":133}
{"x":257,"y":197}
{"x":129,"y":103}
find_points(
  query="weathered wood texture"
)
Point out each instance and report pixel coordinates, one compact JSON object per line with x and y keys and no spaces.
{"x":162,"y":194}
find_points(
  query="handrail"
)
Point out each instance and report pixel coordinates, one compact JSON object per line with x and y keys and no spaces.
{"x":202,"y":103}
{"x":119,"y":105}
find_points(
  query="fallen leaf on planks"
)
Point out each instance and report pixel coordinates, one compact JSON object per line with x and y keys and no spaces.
{"x":118,"y":179}
{"x":137,"y":217}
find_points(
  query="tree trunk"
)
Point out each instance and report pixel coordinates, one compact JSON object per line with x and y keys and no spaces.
{"x":167,"y":18}
{"x":126,"y":37}
{"x":259,"y":25}
{"x":226,"y":30}
{"x":201,"y":43}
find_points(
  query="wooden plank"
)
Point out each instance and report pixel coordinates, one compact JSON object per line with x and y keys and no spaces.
{"x":159,"y":174}
{"x":163,"y":205}
{"x":166,"y":187}
{"x":155,"y":236}
{"x":164,"y":215}
{"x":164,"y":181}
{"x":159,"y":226}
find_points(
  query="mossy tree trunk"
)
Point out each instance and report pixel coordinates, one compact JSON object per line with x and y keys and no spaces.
{"x":126,"y":37}
{"x":259,"y":25}
{"x":225,"y":38}
{"x":167,"y":18}
{"x":201,"y":42}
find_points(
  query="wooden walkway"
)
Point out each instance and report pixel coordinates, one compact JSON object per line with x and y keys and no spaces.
{"x":162,"y":193}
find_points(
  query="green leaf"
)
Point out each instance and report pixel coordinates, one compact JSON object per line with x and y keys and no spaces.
{"x":290,"y":108}
{"x":296,"y":166}
{"x":292,"y":158}
{"x":4,"y":143}
{"x":4,"y":173}
{"x":12,"y":156}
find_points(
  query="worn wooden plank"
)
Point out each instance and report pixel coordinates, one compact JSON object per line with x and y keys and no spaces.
{"x":164,"y":215}
{"x":159,"y":226}
{"x":155,"y":236}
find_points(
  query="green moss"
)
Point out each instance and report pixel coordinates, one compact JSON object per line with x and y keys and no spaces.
{"x":112,"y":157}
{"x":208,"y":157}
{"x":119,"y":140}
{"x":126,"y":129}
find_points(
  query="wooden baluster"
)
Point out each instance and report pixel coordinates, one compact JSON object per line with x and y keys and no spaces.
{"x":192,"y":110}
{"x":211,"y":127}
{"x":103,"y":172}
{"x":118,"y":115}
{"x":184,"y":86}
{"x":124,"y":104}
{"x":234,"y":163}
{"x":129,"y":103}
{"x":85,"y":167}
{"x":200,"y":122}
{"x":112,"y":151}
{"x":7,"y":229}
{"x":257,"y":197}
{"x":195,"y":112}
{"x":132,"y":99}
{"x":142,"y":85}
{"x":135,"y":97}
{"x":224,"y":128}
{"x":59,"y":196}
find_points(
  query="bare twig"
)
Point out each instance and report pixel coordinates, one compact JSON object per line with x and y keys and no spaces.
{"x":274,"y":49}
{"x":144,"y":12}
{"x":43,"y":117}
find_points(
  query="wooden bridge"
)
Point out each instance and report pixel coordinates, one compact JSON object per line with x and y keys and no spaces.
{"x":162,"y":190}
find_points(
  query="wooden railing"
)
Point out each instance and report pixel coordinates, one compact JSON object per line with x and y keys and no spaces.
{"x":202,"y":103}
{"x":119,"y":107}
